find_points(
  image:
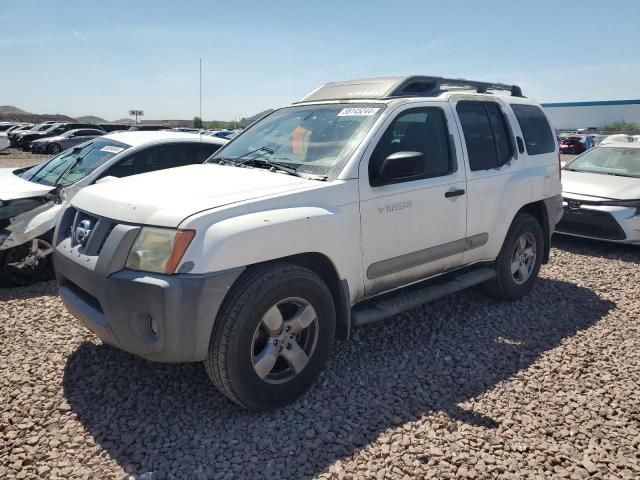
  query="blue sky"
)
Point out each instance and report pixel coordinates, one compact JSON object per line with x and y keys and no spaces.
{"x":106,"y":57}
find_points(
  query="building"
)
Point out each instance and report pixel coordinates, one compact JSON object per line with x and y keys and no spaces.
{"x":574,"y":115}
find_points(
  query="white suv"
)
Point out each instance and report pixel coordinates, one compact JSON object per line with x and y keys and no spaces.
{"x":363,"y":200}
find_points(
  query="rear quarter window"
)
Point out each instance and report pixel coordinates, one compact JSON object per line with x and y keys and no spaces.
{"x":536,"y":130}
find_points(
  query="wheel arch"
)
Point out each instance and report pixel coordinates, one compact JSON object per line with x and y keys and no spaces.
{"x":538,"y":210}
{"x":322,"y":266}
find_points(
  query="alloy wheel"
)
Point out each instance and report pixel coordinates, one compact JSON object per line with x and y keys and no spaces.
{"x":284,"y":340}
{"x":523,"y":260}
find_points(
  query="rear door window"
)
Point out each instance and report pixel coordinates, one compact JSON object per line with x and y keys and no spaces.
{"x":160,"y":157}
{"x":536,"y":130}
{"x":486,"y":135}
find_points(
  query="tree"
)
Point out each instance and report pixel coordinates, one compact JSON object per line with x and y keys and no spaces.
{"x":215,"y":125}
{"x":197,"y":122}
{"x":621,"y":126}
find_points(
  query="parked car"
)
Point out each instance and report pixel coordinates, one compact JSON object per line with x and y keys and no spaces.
{"x":320,"y":217}
{"x":11,"y":135}
{"x":66,"y":140}
{"x":23,"y":140}
{"x":228,"y":134}
{"x":617,"y":138}
{"x":31,"y":198}
{"x":114,"y":127}
{"x":601,"y":194}
{"x":572,"y":145}
{"x":4,"y":126}
{"x":597,"y":139}
{"x":149,"y":128}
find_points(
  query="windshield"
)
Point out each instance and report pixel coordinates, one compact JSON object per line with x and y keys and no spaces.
{"x":313,"y":139}
{"x":43,"y":126}
{"x":74,"y":164}
{"x":608,"y":160}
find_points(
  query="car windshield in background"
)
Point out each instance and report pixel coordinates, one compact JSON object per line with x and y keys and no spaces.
{"x":74,"y":164}
{"x":314,"y":139}
{"x":608,"y":160}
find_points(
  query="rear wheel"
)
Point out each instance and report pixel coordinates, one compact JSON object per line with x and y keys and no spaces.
{"x":54,"y":148}
{"x":272,"y":336}
{"x":27,"y":263}
{"x":519,"y":261}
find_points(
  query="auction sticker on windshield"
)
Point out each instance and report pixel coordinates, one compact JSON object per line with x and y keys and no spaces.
{"x":358,"y":112}
{"x":111,"y":149}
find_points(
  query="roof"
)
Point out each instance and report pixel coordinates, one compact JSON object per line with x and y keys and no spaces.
{"x":620,"y":144}
{"x":140,"y":138}
{"x":591,"y":104}
{"x":394,"y":87}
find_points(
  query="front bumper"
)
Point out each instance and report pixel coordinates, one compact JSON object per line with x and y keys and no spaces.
{"x":609,"y":223}
{"x":164,"y":318}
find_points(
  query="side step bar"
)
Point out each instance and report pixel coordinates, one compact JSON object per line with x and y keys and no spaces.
{"x":397,"y":302}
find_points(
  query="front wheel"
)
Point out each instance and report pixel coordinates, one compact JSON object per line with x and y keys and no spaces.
{"x":27,"y":263}
{"x":519,"y":261}
{"x":272,"y":336}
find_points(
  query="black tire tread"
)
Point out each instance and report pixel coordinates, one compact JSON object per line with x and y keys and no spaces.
{"x":241,"y":293}
{"x":496,"y":287}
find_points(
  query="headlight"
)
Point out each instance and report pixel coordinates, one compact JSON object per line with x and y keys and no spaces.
{"x":159,"y":250}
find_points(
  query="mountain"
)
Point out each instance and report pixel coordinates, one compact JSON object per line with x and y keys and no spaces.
{"x":10,"y":110}
{"x":91,"y":119}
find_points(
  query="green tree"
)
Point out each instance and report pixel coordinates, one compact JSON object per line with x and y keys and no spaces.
{"x":621,"y":126}
{"x":215,"y":125}
{"x":197,"y":122}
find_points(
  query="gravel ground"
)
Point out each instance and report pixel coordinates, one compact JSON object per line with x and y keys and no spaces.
{"x":14,"y":157}
{"x":465,"y":387}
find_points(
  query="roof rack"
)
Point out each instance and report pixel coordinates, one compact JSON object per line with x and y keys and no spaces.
{"x":395,"y":87}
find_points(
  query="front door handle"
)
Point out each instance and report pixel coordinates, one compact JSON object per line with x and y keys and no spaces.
{"x":454,"y":193}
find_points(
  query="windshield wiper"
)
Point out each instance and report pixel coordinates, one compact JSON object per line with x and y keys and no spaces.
{"x":263,"y":162}
{"x":235,"y":160}
{"x":622,"y":174}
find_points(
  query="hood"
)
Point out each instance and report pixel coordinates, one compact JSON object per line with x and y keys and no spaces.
{"x":165,"y":198}
{"x":600,"y":185}
{"x":35,"y":134}
{"x":13,"y":187}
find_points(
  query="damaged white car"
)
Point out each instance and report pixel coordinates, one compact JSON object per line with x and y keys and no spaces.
{"x":31,"y":198}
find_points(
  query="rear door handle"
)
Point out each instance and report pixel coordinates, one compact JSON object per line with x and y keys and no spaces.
{"x":454,"y":193}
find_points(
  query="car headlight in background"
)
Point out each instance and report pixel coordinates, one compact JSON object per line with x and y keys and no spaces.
{"x":159,"y":250}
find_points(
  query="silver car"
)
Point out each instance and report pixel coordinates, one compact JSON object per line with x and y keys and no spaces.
{"x":66,"y":140}
{"x":601,"y":194}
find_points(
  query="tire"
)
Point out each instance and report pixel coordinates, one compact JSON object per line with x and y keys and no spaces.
{"x":510,"y":285}
{"x":11,"y":276}
{"x":53,"y":148}
{"x":241,"y":344}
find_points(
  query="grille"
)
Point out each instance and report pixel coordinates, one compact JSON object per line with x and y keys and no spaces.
{"x":590,"y":223}
{"x":100,"y":229}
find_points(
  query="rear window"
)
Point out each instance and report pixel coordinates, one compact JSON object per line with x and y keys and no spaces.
{"x":537,"y":133}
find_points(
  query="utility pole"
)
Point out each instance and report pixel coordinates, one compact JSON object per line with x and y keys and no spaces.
{"x":201,"y":121}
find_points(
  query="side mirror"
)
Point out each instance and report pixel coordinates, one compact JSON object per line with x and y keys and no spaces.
{"x":108,"y":178}
{"x":402,"y":165}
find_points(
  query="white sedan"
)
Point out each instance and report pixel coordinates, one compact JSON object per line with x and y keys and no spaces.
{"x":30,"y":198}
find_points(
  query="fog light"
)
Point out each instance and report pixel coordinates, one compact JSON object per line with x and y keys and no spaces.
{"x":153,"y":325}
